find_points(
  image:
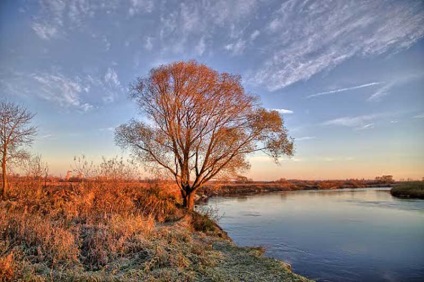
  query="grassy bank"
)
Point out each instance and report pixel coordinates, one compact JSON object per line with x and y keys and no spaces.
{"x":113,"y":232}
{"x":409,"y":190}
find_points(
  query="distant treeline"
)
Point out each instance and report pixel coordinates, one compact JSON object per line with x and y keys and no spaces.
{"x":284,"y":184}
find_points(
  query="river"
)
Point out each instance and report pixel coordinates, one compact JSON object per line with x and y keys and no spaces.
{"x":332,"y":235}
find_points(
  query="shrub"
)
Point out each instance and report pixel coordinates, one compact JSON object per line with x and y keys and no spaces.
{"x":201,"y":222}
{"x":409,"y":190}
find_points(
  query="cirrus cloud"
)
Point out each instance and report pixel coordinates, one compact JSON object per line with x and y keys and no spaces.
{"x":283,"y":111}
{"x":311,"y":36}
{"x":62,"y":90}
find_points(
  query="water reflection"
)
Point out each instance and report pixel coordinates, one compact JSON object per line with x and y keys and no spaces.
{"x":337,"y":235}
{"x":283,"y":196}
{"x":241,"y":198}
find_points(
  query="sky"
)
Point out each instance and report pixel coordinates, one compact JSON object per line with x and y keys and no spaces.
{"x":347,"y":76}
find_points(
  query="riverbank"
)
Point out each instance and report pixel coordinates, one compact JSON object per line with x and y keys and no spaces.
{"x":108,"y":232}
{"x":412,"y":190}
{"x":257,"y":187}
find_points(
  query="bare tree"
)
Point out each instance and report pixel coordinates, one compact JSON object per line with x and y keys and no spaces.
{"x":15,"y":133}
{"x":116,"y":169}
{"x":83,"y":168}
{"x":201,"y":124}
{"x":35,"y":168}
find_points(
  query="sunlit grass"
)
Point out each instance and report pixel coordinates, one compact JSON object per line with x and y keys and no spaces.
{"x":111,"y":231}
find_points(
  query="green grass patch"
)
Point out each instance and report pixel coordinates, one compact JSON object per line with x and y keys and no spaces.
{"x":409,"y":190}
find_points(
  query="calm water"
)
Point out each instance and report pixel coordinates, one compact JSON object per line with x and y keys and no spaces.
{"x":344,"y":235}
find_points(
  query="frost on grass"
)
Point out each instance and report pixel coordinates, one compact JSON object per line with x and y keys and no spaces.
{"x":94,"y":232}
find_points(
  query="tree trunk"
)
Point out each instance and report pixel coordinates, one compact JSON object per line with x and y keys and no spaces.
{"x":188,"y":200}
{"x":4,"y":180}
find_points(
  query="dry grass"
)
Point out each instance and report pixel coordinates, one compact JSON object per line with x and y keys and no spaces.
{"x":85,"y":227}
{"x":112,"y":232}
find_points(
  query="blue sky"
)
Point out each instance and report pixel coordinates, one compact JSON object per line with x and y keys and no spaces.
{"x":347,"y":76}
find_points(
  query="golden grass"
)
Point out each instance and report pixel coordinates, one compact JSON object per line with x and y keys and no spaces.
{"x":85,"y":226}
{"x":114,"y":232}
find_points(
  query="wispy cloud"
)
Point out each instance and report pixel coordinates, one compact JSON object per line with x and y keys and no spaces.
{"x":107,"y":43}
{"x":44,"y":31}
{"x":107,"y":129}
{"x":58,"y":17}
{"x":254,"y":35}
{"x":335,"y":91}
{"x":194,"y":20}
{"x":80,"y":92}
{"x":201,"y":46}
{"x":382,"y":91}
{"x":283,"y":111}
{"x":108,"y":87}
{"x":45,"y":136}
{"x":358,"y":122}
{"x":223,"y":12}
{"x":309,"y":37}
{"x":50,"y":20}
{"x":148,"y":45}
{"x":305,"y":138}
{"x":298,"y":40}
{"x":62,"y":90}
{"x":55,"y":15}
{"x":395,"y":82}
{"x":237,"y":47}
{"x":140,"y":6}
{"x":111,"y":78}
{"x":419,"y":115}
{"x":366,"y":126}
{"x":16,"y":84}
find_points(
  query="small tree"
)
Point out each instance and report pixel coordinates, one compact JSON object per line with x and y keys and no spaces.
{"x":201,"y":124}
{"x":116,"y":169}
{"x":35,"y":168}
{"x":83,"y":169}
{"x":15,"y":133}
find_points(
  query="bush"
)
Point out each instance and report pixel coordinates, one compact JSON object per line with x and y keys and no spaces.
{"x":409,"y":190}
{"x":202,"y":223}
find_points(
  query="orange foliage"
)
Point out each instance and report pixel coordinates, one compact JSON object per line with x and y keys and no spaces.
{"x":204,"y":125}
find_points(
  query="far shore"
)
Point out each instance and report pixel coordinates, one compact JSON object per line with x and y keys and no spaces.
{"x":239,"y":188}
